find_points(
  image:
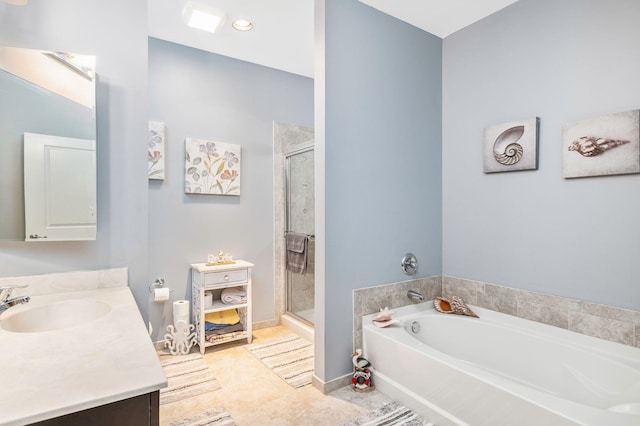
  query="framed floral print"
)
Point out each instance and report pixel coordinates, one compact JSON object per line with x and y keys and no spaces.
{"x":212,"y":167}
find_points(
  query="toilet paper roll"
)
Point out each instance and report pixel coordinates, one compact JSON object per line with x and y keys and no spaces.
{"x":161,"y":294}
{"x":208,"y":300}
{"x":181,"y":311}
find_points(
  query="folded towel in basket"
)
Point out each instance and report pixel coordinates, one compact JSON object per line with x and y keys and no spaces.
{"x":233,"y":296}
{"x":224,"y":330}
{"x":222,"y":318}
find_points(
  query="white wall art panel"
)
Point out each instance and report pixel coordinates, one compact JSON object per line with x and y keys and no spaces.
{"x":156,"y":150}
{"x":212,"y":167}
{"x":510,"y":147}
{"x":605,"y":145}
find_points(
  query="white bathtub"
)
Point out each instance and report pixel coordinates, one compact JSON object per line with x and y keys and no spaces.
{"x":502,"y":370}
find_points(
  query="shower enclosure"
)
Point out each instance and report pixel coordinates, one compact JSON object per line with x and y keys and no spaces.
{"x":299,"y":219}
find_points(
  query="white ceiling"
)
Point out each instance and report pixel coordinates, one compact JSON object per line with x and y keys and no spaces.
{"x":283,"y":34}
{"x":439,"y":17}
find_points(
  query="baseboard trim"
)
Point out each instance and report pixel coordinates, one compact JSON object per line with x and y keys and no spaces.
{"x":298,"y":327}
{"x":265,"y":324}
{"x":332,"y":385}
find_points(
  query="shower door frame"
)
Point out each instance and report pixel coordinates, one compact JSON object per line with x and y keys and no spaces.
{"x":300,"y":149}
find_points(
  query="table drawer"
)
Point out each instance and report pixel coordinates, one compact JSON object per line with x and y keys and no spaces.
{"x":213,"y":279}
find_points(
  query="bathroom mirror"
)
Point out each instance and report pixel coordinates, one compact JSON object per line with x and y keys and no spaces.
{"x":52,"y":94}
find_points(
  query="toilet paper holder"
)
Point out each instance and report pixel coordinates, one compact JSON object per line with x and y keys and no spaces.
{"x":159,"y":283}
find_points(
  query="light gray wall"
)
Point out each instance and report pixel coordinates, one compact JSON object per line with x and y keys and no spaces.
{"x":204,"y":95}
{"x":560,"y":61}
{"x":382,"y":157}
{"x":116,"y":32}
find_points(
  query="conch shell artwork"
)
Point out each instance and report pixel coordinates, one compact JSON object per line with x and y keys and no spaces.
{"x":604,"y":145}
{"x":511,"y":146}
{"x":588,"y":146}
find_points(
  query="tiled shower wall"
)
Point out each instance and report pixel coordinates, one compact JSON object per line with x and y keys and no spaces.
{"x":605,"y":322}
{"x":287,"y":137}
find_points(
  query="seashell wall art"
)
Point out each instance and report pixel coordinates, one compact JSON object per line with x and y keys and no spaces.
{"x":605,"y":145}
{"x":511,"y":146}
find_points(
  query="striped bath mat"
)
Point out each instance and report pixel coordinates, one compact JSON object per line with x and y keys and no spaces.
{"x":290,"y":357}
{"x":215,"y":417}
{"x":187,"y":376}
{"x":391,"y":414}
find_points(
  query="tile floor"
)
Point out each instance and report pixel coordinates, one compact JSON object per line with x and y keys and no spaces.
{"x":253,"y":395}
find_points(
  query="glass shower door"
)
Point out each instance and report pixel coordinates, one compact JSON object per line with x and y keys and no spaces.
{"x":300,"y":202}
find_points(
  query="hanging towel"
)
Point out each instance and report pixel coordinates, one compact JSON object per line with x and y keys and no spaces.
{"x":297,"y":252}
{"x":233,"y":296}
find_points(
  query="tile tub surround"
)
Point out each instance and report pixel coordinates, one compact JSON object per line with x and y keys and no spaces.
{"x":370,"y":300}
{"x":605,"y":322}
{"x":58,"y":372}
{"x":68,"y":281}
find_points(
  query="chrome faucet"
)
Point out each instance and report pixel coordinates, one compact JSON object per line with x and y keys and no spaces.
{"x":5,"y":294}
{"x":414,"y":295}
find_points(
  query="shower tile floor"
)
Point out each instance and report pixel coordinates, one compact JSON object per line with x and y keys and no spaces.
{"x":254,"y":395}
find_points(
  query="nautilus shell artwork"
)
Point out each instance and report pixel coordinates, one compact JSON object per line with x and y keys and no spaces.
{"x":605,"y":145}
{"x":511,"y":146}
{"x":506,"y":150}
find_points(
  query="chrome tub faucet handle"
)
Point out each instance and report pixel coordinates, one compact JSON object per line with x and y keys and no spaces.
{"x":414,"y":295}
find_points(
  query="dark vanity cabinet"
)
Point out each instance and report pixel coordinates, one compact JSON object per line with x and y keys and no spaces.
{"x":140,"y":410}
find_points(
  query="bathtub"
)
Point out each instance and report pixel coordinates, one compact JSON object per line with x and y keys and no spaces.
{"x":502,"y":370}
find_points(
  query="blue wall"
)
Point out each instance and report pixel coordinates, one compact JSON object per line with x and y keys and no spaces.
{"x":383,"y":184}
{"x":203,"y":95}
{"x":560,"y":61}
{"x":116,"y":32}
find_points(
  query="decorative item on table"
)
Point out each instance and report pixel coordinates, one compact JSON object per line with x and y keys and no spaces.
{"x":181,"y":336}
{"x":212,"y":167}
{"x":605,"y":145}
{"x":384,"y":318}
{"x":510,"y":147}
{"x":361,"y":379}
{"x":454,"y":305}
{"x":220,"y":258}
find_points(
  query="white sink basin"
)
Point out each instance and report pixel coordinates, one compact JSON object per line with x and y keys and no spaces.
{"x":52,"y":316}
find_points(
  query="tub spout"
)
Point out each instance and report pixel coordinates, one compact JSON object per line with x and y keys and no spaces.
{"x":414,"y":295}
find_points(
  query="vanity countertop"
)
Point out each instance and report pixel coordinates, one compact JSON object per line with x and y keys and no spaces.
{"x":53,"y":373}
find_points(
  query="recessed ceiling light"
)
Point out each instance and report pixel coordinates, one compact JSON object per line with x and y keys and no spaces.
{"x":203,"y":17}
{"x":242,"y":25}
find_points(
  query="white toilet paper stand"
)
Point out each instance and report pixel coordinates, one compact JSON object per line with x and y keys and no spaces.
{"x":180,"y":338}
